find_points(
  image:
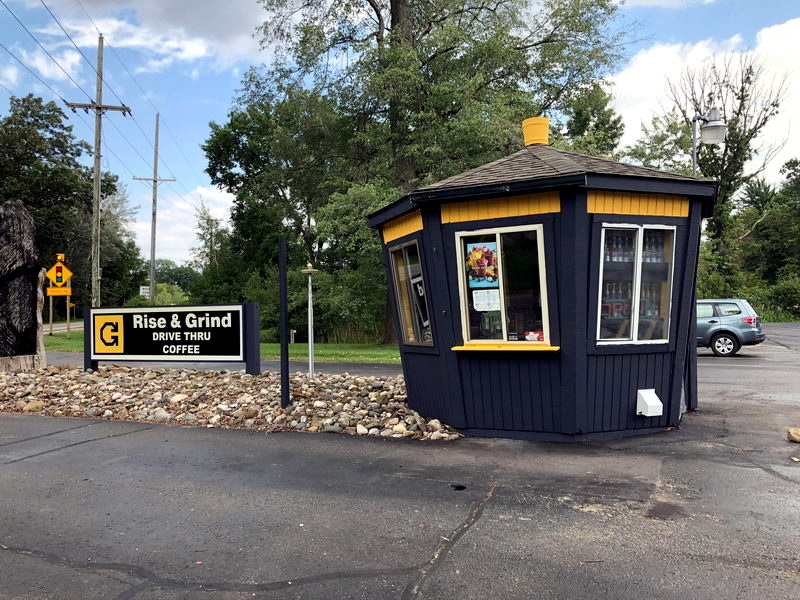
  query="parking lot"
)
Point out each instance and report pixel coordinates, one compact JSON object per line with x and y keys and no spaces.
{"x":99,"y":509}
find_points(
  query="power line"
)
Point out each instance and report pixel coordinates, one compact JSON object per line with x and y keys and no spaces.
{"x":55,"y":93}
{"x":145,"y":96}
{"x":44,"y":49}
{"x":81,"y":51}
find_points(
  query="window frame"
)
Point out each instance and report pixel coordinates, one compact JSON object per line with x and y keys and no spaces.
{"x":636,"y":283}
{"x":462,"y":284}
{"x":397,"y":297}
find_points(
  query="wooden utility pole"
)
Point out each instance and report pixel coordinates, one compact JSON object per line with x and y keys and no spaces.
{"x":155,"y":181}
{"x":99,"y":108}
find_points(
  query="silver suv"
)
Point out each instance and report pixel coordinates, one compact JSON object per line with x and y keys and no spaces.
{"x":727,"y":325}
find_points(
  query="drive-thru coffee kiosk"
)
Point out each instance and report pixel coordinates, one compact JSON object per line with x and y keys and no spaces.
{"x":548,"y":294}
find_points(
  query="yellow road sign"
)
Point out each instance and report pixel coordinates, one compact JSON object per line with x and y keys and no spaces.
{"x":59,"y":274}
{"x":59,"y":291}
{"x":108,"y":334}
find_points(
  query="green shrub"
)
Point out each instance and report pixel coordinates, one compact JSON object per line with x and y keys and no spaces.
{"x":270,"y":335}
{"x":785,"y":295}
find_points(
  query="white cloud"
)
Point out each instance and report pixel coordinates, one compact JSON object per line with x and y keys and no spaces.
{"x":672,"y":4}
{"x":70,"y":61}
{"x":9,"y":75}
{"x":182,"y":29}
{"x":177,"y":226}
{"x":640,"y":88}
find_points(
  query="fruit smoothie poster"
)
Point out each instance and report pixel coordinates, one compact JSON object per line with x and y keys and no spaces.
{"x":481,"y":261}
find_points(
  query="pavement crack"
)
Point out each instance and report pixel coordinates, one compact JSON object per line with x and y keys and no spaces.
{"x":150,"y":580}
{"x":772,"y":471}
{"x":446,"y":544}
{"x":44,"y":435}
{"x":105,"y":437}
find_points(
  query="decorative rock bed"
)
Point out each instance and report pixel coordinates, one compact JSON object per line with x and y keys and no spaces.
{"x":224,"y":399}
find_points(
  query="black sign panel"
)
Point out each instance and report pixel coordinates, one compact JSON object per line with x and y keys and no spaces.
{"x":187,"y":333}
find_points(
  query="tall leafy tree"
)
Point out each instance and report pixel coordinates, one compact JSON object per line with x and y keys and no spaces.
{"x":169,"y":272}
{"x":666,"y":143}
{"x":371,"y":98}
{"x":592,"y":127}
{"x":445,"y":83}
{"x":748,"y":99}
{"x":40,"y":164}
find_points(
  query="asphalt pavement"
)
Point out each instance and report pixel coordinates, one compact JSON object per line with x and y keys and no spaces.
{"x":113,"y":510}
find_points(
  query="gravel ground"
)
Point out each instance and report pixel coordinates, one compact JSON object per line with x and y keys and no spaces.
{"x":224,"y":399}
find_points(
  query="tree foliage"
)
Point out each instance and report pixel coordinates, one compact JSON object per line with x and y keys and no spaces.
{"x":371,"y":98}
{"x":748,"y":100}
{"x":40,"y":164}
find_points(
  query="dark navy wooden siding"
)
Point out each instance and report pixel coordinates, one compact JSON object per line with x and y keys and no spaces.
{"x":427,"y":387}
{"x":611,"y":388}
{"x":508,"y":392}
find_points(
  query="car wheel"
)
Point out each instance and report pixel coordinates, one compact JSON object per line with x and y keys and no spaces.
{"x":724,"y":344}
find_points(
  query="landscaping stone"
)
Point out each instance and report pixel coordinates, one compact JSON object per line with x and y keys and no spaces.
{"x":342,"y":403}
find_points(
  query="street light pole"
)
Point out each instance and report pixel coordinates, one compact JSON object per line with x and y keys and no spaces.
{"x":310,"y":271}
{"x":712,"y":131}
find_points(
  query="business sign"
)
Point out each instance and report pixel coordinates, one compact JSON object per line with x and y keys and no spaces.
{"x":171,"y":333}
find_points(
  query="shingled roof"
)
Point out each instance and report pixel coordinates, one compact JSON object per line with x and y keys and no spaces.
{"x":538,"y":167}
{"x":541,"y":161}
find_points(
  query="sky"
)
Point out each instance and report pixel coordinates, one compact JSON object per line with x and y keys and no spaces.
{"x":184,"y":59}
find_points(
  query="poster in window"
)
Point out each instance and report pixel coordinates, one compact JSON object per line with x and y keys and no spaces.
{"x":481,"y":260}
{"x":486,"y":300}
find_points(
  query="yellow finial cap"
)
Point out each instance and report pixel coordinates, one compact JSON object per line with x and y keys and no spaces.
{"x":536,"y":130}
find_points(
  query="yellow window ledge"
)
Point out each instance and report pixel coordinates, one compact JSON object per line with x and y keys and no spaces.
{"x":517,"y":347}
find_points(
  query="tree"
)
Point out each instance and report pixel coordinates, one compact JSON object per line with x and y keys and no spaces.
{"x":770,"y":221}
{"x":591,"y":125}
{"x":40,"y":165}
{"x":445,"y":84}
{"x":167,"y":271}
{"x":665,"y":144}
{"x":748,"y":101}
{"x":282,"y":160}
{"x":222,"y":271}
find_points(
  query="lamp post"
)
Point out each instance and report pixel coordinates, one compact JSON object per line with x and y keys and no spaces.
{"x":712,"y":131}
{"x":310,"y":271}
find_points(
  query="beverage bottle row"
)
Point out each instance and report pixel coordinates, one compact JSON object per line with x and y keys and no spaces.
{"x":616,"y":291}
{"x":651,"y":298}
{"x":619,"y":247}
{"x":653,"y":250}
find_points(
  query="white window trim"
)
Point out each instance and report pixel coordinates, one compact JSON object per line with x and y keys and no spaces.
{"x":637,"y":275}
{"x":397,"y":296}
{"x":462,"y":284}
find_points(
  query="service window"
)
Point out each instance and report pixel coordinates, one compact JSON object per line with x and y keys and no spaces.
{"x":503,"y":285}
{"x":635,"y":283}
{"x":410,"y":292}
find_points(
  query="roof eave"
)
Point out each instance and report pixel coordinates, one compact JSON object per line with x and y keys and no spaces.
{"x":471,"y":192}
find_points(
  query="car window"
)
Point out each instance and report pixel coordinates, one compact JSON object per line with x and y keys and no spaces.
{"x":705,"y":310}
{"x":728,"y":308}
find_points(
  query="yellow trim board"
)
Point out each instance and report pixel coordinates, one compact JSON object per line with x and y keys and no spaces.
{"x":397,"y":228}
{"x":498,"y":208}
{"x":628,"y":203}
{"x":495,"y":347}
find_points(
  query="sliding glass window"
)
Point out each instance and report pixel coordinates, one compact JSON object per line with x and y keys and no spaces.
{"x":502,"y":285}
{"x":636,"y":271}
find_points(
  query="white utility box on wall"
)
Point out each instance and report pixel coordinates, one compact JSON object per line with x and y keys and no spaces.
{"x":648,"y":404}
